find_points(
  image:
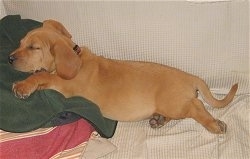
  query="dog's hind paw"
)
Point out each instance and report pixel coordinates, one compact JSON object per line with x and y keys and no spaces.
{"x":222,"y":126}
{"x":157,"y":121}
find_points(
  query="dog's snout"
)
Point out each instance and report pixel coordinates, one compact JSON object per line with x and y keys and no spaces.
{"x":11,"y":59}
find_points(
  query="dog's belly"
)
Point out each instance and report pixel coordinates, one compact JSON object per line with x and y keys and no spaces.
{"x":126,"y":104}
{"x":128,"y":112}
{"x":121,"y":103}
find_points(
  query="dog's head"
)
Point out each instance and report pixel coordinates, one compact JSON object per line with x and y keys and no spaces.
{"x":47,"y":48}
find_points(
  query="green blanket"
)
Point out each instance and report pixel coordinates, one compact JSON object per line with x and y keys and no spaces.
{"x":42,"y":107}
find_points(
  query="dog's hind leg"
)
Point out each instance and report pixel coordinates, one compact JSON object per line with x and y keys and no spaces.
{"x":200,"y":114}
{"x":157,"y":121}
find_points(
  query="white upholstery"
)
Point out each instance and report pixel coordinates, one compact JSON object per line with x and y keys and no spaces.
{"x":207,"y":39}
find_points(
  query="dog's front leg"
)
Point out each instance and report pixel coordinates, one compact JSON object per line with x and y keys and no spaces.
{"x":42,"y":80}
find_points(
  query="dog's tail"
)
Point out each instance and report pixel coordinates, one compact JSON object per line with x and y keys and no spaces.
{"x":209,"y":99}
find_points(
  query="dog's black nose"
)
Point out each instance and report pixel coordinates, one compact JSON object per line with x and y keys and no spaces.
{"x":11,"y":59}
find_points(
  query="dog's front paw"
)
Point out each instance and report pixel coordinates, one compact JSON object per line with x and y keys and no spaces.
{"x":23,"y":89}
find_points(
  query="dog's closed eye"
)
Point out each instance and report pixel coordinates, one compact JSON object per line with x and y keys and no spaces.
{"x":34,"y":47}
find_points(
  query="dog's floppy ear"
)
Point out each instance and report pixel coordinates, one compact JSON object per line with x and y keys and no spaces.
{"x":56,"y":26}
{"x":66,"y":60}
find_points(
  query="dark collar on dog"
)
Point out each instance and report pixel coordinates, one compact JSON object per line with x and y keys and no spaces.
{"x":77,"y":49}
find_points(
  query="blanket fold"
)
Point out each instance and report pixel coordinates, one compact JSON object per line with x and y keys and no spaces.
{"x":43,"y":107}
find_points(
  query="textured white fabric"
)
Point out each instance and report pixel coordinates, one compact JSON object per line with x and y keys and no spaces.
{"x":205,"y":1}
{"x":97,"y":147}
{"x":2,"y":10}
{"x":210,"y":40}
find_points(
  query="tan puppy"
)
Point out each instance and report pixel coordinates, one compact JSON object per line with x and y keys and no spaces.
{"x":124,"y":90}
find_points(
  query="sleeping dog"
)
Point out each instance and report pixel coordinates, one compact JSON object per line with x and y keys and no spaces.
{"x":123,"y":90}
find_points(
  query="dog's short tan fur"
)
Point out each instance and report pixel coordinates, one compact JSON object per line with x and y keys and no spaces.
{"x":124,"y":90}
